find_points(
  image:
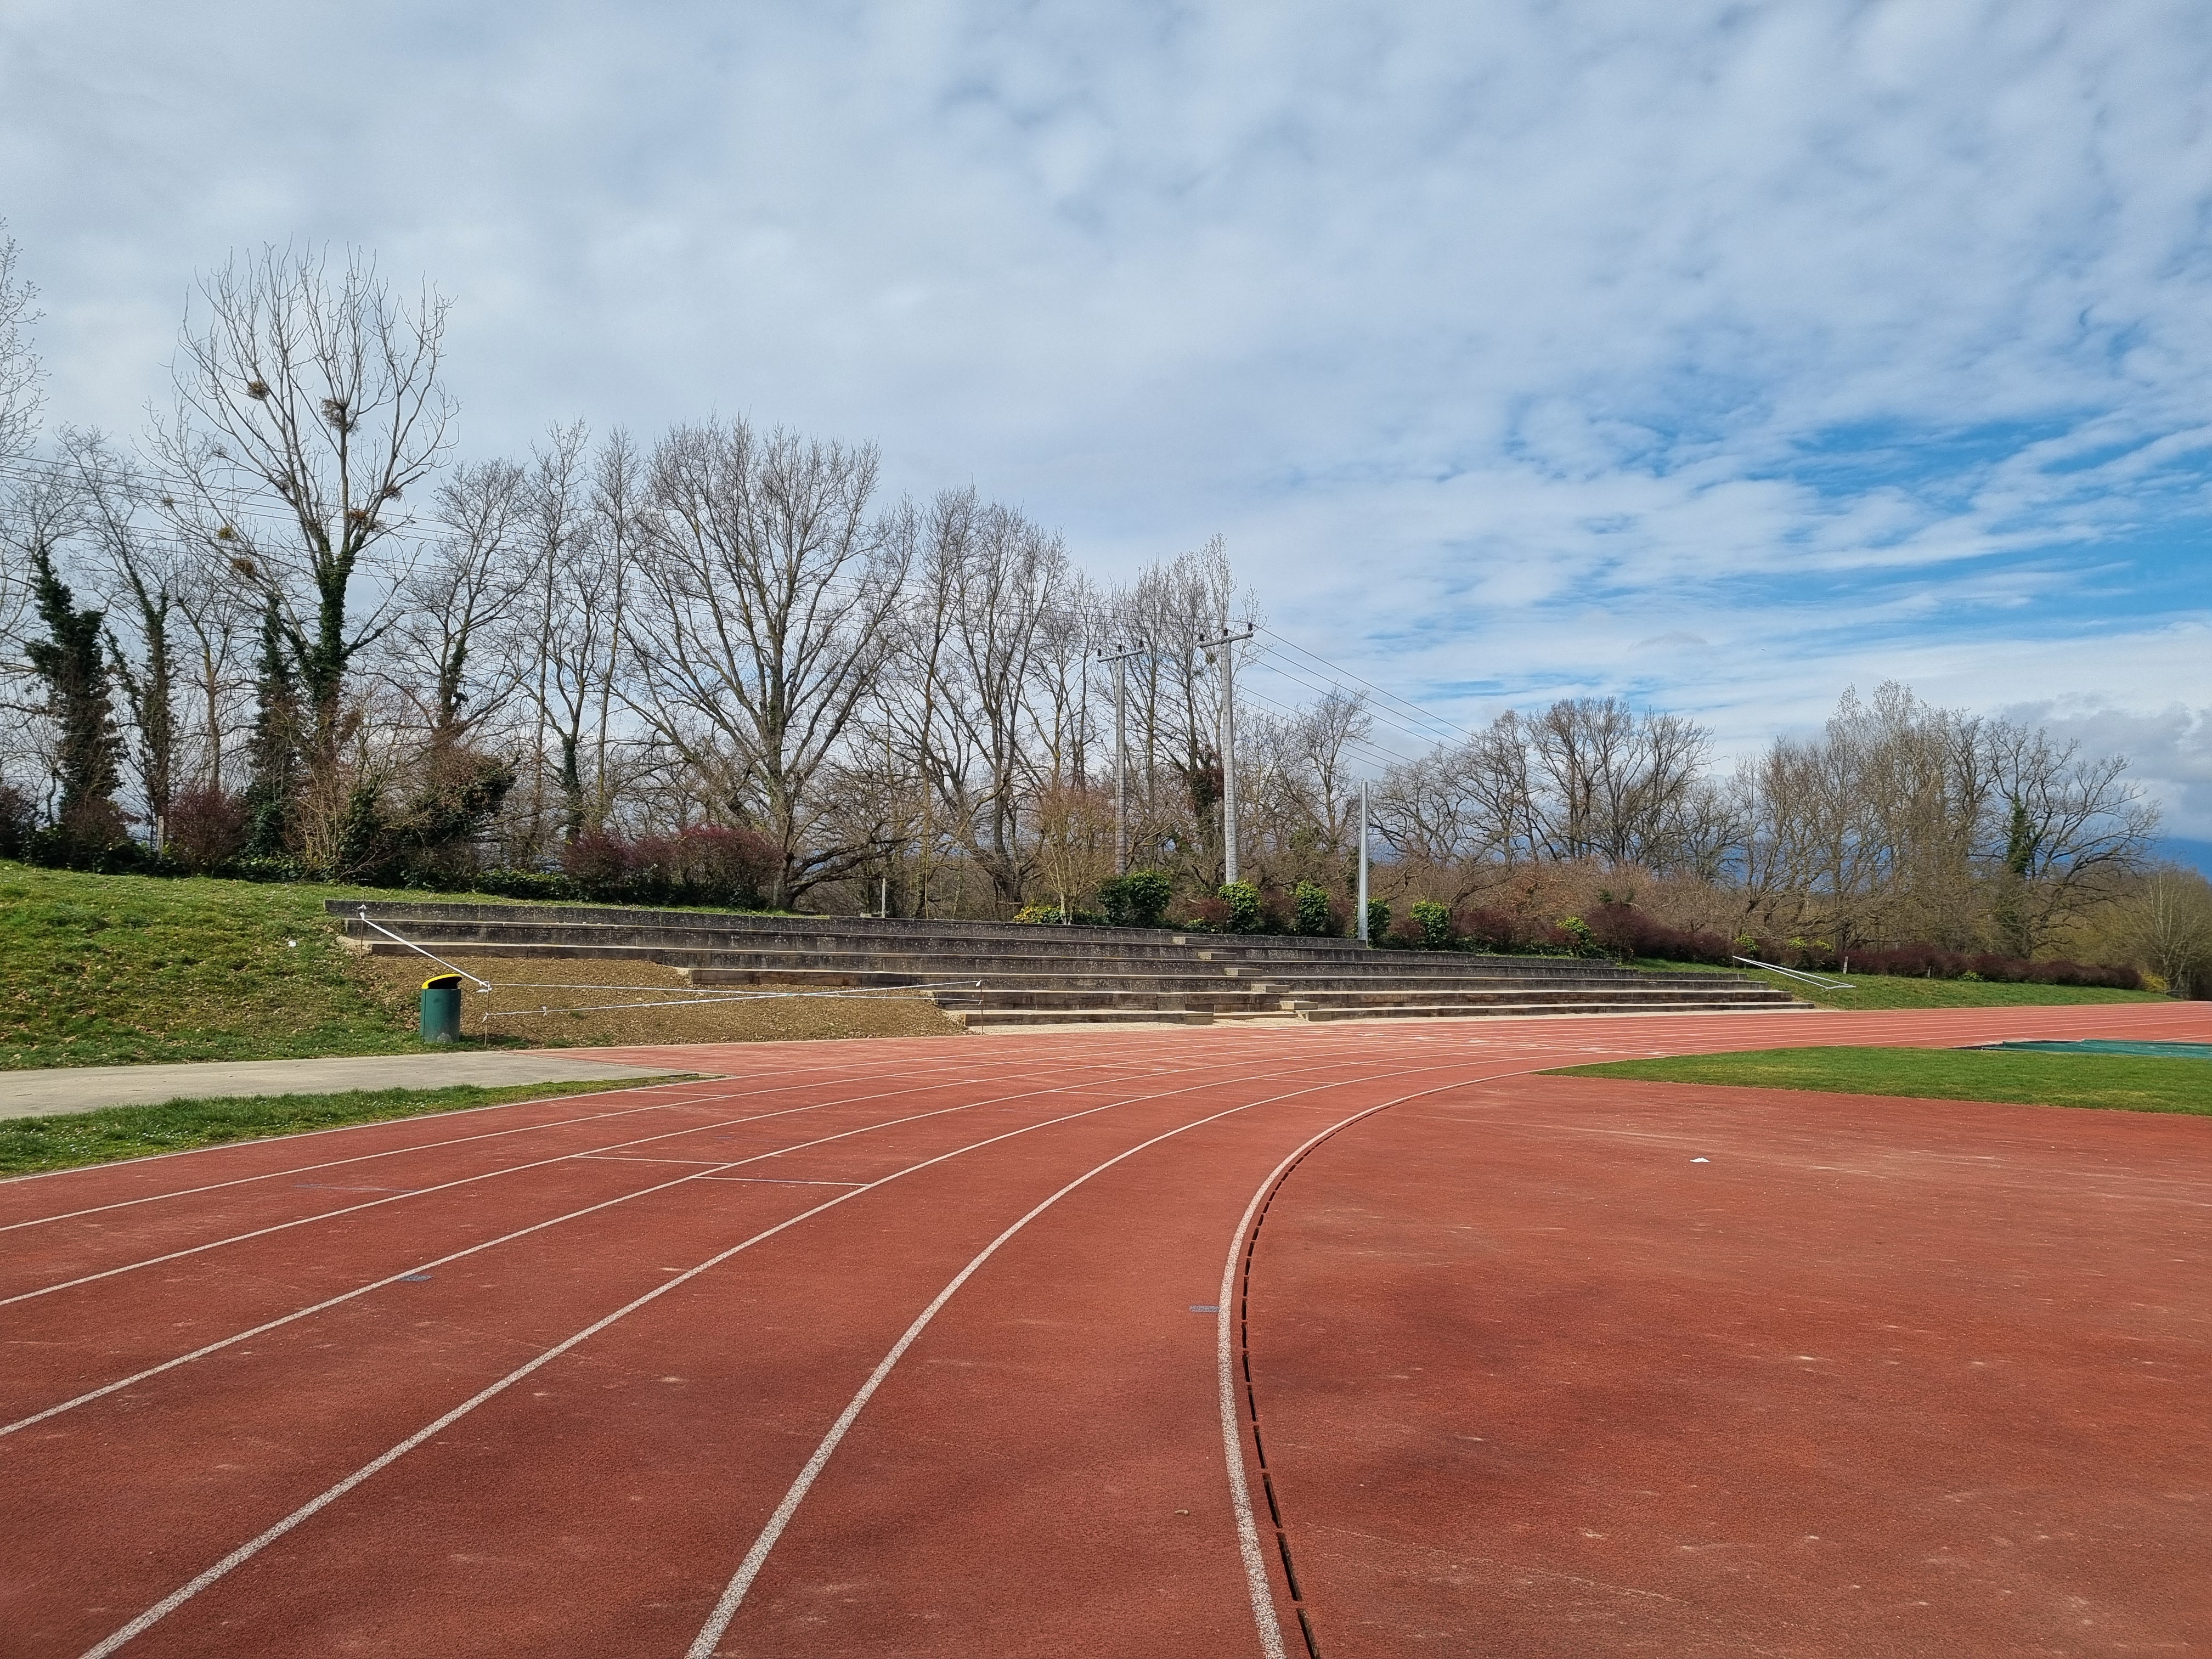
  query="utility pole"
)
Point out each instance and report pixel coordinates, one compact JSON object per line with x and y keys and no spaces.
{"x":1363,"y":860}
{"x":1121,"y":758}
{"x":1227,"y":643}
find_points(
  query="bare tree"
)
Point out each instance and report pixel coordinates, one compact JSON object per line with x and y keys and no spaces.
{"x":19,"y":376}
{"x":1013,"y":576}
{"x":2067,"y":826}
{"x":602,"y":592}
{"x":308,"y":404}
{"x":2167,"y":920}
{"x":772,"y":595}
{"x":219,"y":617}
{"x":19,"y":427}
{"x":463,"y":585}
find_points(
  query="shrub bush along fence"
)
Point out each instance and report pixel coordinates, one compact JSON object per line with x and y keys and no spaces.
{"x":712,"y":866}
{"x":704,"y":864}
{"x":209,"y":830}
{"x":1622,"y":931}
{"x":1930,"y":962}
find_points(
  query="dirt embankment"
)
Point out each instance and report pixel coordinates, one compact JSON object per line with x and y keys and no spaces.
{"x":567,"y":1004}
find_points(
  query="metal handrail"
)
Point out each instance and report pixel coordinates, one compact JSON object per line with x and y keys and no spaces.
{"x":481,"y":984}
{"x":1810,"y":978}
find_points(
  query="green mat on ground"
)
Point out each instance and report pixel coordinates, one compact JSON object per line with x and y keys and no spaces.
{"x":2112,"y":1046}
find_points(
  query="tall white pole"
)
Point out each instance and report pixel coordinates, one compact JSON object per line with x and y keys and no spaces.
{"x":1120,"y":659}
{"x":1120,"y":775}
{"x":1228,"y":757}
{"x":1227,"y":645}
{"x":1362,"y":861}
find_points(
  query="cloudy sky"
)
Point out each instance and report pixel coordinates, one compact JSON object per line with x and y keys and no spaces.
{"x":1720,"y":355}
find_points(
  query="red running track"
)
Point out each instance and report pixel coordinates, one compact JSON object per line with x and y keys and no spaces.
{"x":932,"y":1347}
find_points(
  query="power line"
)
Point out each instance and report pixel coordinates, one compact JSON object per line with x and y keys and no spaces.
{"x":1373,"y":753}
{"x":1403,"y":703}
{"x":1429,"y":739}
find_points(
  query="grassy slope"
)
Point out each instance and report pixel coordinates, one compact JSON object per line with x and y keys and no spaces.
{"x":2117,"y":1082}
{"x":112,"y":970}
{"x":67,"y":1140}
{"x":109,"y":970}
{"x":1890,"y":991}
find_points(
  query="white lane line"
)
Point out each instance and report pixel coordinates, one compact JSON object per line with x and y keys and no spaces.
{"x":329,"y":1303}
{"x":523,"y":1232}
{"x":254,"y":1546}
{"x":718,"y":1622}
{"x":464,"y":1180}
{"x":1229,"y":1313}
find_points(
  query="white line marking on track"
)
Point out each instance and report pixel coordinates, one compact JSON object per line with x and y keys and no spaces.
{"x":718,"y":1622}
{"x":489,"y":1175}
{"x":323,"y":1500}
{"x":808,"y":1075}
{"x":1231,"y":1308}
{"x":88,"y":1397}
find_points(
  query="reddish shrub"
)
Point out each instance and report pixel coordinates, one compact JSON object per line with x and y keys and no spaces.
{"x":1212,"y":914}
{"x":703,"y":864}
{"x":1407,"y":933}
{"x":1932,"y":962}
{"x":208,"y":828}
{"x":1490,"y":930}
{"x":715,"y":865}
{"x":19,"y":817}
{"x":1622,"y":930}
{"x":596,"y":862}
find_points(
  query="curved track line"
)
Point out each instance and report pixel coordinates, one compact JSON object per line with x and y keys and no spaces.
{"x":718,"y":1622}
{"x":487,"y":1175}
{"x":712,"y":1171}
{"x":1233,"y":1290}
{"x":323,"y":1500}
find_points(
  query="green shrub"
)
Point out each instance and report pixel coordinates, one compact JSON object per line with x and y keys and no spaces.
{"x":1580,"y":938}
{"x":1311,"y":904}
{"x":1242,"y":899}
{"x":1435,"y":922}
{"x":541,"y":884}
{"x":1138,"y":899}
{"x":1378,"y":920}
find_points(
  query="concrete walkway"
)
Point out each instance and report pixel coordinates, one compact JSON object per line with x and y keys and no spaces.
{"x":84,"y":1088}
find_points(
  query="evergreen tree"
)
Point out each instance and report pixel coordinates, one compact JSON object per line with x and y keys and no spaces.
{"x":273,"y":750}
{"x":74,"y":666}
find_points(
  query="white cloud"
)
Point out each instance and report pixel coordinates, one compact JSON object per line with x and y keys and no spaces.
{"x":1858,"y":339}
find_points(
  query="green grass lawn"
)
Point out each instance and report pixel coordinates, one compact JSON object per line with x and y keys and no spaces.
{"x":2114,"y":1082}
{"x":67,"y":1140}
{"x":111,"y":971}
{"x":1891,"y":990}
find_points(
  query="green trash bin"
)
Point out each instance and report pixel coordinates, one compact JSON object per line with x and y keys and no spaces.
{"x":441,"y":1009}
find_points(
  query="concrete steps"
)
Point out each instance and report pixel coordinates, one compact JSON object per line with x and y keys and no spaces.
{"x":1003,"y":975}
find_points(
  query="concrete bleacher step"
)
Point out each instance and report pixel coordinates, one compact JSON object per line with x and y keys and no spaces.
{"x":996,"y":975}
